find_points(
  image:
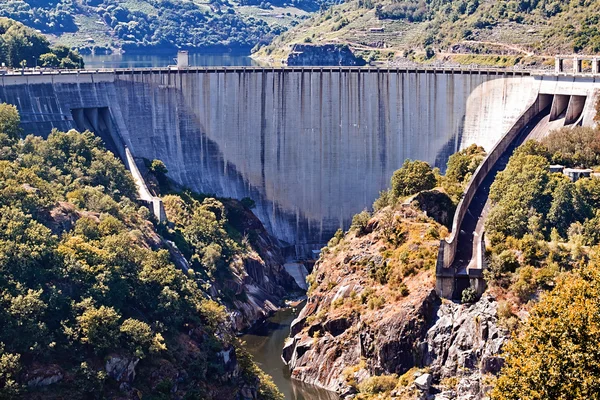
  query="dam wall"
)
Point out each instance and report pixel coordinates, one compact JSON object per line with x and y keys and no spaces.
{"x":311,"y":147}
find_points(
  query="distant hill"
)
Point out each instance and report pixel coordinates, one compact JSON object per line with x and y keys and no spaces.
{"x":108,"y":25}
{"x":499,"y":33}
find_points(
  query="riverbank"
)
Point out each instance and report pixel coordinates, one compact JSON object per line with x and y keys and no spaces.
{"x":265,"y":342}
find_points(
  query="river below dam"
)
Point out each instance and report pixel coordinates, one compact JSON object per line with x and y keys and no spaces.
{"x":265,"y":342}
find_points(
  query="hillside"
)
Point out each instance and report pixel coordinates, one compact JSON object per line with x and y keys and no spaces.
{"x":498,"y":33}
{"x":374,"y":328}
{"x":105,"y":26}
{"x":98,"y":300}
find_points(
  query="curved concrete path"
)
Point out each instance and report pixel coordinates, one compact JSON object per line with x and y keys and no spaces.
{"x":472,"y":227}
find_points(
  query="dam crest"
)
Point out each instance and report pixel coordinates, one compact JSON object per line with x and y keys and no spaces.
{"x":311,"y":146}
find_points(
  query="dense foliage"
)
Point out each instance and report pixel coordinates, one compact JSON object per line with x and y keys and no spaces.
{"x":557,"y":353}
{"x":413,"y":177}
{"x":150,"y":23}
{"x":21,"y":46}
{"x":528,"y":199}
{"x":83,"y":275}
{"x":460,"y":168}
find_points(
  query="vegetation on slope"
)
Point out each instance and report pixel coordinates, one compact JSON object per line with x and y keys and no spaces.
{"x":544,"y":233}
{"x":501,"y":33}
{"x":23,"y":47}
{"x":105,"y":25}
{"x":85,"y":282}
{"x":541,"y":223}
{"x":556,"y":354}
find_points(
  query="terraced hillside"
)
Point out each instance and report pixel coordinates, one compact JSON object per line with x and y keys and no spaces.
{"x":500,"y":33}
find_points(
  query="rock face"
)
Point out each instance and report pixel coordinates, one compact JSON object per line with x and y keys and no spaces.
{"x":121,"y":368}
{"x":354,"y":322}
{"x":259,"y":281}
{"x":464,"y":343}
{"x":323,"y":55}
{"x":359,"y":321}
{"x":46,"y":375}
{"x":389,"y":345}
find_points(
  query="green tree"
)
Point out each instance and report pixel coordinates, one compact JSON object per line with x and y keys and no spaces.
{"x":562,"y":211}
{"x":10,"y":121}
{"x":463,"y":164}
{"x":98,"y":327}
{"x":413,"y":177}
{"x":49,"y":60}
{"x":140,"y":339}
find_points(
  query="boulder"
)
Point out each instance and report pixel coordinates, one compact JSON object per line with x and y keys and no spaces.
{"x":121,"y":368}
{"x":44,"y":376}
{"x":423,"y":382}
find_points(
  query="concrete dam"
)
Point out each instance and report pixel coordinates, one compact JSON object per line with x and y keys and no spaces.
{"x":311,"y":146}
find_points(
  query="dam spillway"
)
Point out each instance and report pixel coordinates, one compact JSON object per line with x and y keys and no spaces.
{"x":311,"y":146}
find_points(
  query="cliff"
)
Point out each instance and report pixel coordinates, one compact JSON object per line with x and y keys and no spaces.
{"x":329,"y":54}
{"x":372,"y":311}
{"x":260,"y":283}
{"x":370,"y":299}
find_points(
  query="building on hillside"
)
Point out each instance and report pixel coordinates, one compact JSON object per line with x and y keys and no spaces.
{"x":556,"y":169}
{"x":575,"y":174}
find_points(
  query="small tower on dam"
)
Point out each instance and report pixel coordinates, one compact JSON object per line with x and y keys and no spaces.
{"x":183,"y":59}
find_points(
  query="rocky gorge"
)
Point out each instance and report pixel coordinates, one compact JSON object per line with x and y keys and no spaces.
{"x":372,"y":313}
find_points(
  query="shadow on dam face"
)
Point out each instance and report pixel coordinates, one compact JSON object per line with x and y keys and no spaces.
{"x":99,"y":121}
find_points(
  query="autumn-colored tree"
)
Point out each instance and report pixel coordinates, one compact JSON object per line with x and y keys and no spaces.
{"x":556,"y":355}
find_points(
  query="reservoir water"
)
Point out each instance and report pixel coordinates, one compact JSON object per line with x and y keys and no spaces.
{"x":265,"y":343}
{"x":128,"y":60}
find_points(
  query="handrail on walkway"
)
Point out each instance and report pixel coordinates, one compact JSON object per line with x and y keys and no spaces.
{"x":259,"y":69}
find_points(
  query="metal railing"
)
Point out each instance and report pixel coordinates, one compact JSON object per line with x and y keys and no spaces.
{"x":370,"y":69}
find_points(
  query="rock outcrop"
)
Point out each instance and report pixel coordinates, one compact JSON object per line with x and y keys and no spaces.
{"x":369,"y":306}
{"x":121,"y":368}
{"x":44,"y":375}
{"x":259,"y":282}
{"x":372,"y":310}
{"x":323,"y":55}
{"x":464,"y":344}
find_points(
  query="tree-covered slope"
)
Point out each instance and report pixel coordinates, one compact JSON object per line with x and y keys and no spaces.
{"x":21,"y":46}
{"x":91,"y":302}
{"x":466,"y":31}
{"x":107,"y":25}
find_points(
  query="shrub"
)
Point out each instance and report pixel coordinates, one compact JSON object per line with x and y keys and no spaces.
{"x":413,"y":177}
{"x":378,"y":384}
{"x":360,"y":222}
{"x":469,"y":295}
{"x":386,"y":198}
